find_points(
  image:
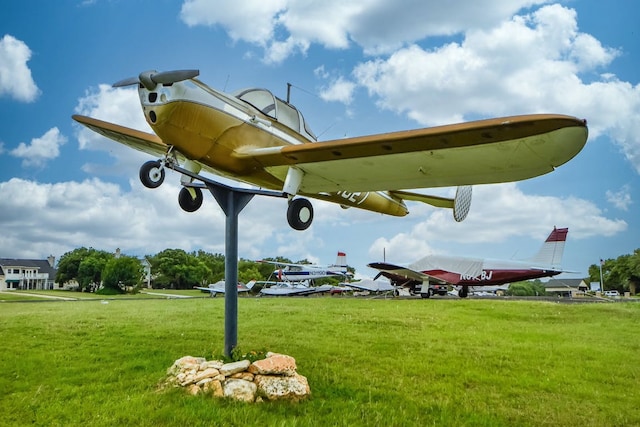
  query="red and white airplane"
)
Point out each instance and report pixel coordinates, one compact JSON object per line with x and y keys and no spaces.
{"x":254,"y":137}
{"x":472,"y":272}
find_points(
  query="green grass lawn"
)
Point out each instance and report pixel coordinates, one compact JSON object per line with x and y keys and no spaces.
{"x":369,"y":362}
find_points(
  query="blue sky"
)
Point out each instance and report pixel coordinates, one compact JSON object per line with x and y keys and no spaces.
{"x":356,"y":69}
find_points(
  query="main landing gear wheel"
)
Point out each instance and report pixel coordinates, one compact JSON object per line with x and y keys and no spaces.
{"x":300,"y":214}
{"x":152,"y":174}
{"x":463,"y":292}
{"x":189,"y":202}
{"x":427,"y":294}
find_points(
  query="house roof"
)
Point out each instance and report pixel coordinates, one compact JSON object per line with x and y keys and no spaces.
{"x":42,"y":265}
{"x":566,"y":283}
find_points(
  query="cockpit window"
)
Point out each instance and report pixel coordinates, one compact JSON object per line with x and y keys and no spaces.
{"x":276,"y":108}
{"x":261,"y":99}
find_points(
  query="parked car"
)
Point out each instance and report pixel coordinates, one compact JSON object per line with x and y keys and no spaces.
{"x":612,"y":293}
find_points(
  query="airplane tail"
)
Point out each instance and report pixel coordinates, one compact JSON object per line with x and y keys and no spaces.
{"x":341,"y":262}
{"x":552,"y":249}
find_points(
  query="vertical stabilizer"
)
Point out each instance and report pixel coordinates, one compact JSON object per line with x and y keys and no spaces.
{"x":552,"y":249}
{"x":341,"y":262}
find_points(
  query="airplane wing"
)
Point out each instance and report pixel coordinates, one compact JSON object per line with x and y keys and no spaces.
{"x":142,"y":141}
{"x":286,"y":264}
{"x":393,"y":271}
{"x":211,"y":290}
{"x":480,"y":152}
{"x":221,"y":289}
{"x":371,"y":285}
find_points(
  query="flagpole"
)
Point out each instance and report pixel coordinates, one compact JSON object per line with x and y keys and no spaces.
{"x":601,"y":280}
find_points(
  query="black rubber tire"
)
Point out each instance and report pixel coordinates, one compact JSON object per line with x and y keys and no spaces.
{"x":188,"y":203}
{"x":152,"y":174}
{"x":300,"y":214}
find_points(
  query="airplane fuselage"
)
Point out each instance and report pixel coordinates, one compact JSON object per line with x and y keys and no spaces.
{"x":493,"y":277}
{"x":211,"y":127}
{"x":296,"y":275}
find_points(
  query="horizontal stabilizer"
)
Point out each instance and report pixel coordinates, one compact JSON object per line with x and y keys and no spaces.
{"x":460,"y":204}
{"x":438,"y":202}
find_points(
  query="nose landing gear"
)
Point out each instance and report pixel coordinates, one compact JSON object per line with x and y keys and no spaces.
{"x":152,"y":174}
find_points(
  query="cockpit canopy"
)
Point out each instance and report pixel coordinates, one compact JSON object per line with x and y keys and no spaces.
{"x":278,"y":109}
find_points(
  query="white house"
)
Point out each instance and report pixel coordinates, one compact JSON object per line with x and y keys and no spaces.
{"x":23,"y":274}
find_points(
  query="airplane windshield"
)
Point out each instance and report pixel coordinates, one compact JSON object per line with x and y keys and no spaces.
{"x":278,"y":109}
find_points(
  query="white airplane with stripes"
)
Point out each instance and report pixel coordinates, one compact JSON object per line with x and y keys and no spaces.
{"x":292,"y":272}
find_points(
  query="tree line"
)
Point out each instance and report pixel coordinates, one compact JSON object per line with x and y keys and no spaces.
{"x":94,"y":269}
{"x":105,"y":272}
{"x":621,"y":274}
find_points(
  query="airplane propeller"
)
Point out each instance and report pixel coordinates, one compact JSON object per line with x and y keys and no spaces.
{"x":150,"y":79}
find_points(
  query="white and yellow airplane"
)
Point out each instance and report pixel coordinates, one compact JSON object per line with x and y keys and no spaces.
{"x":256,"y":138}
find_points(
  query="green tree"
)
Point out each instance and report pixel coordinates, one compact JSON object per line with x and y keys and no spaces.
{"x":67,"y":269}
{"x":83,"y":265}
{"x":177,"y":269}
{"x":121,"y":273}
{"x":215,"y":263}
{"x":91,"y":268}
{"x":527,"y":288}
{"x":249,"y":270}
{"x":621,"y":274}
{"x":634,"y":272}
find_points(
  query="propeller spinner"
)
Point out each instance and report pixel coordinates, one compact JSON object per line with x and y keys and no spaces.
{"x":150,"y":79}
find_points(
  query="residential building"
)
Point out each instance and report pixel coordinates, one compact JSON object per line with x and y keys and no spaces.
{"x":566,"y":287}
{"x":23,"y":274}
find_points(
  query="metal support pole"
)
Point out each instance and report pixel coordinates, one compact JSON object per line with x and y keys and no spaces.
{"x":232,"y":202}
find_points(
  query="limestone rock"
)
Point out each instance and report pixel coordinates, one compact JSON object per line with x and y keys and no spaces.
{"x":185,"y":363}
{"x":233,"y":367}
{"x":207,"y":373}
{"x":240,"y":390}
{"x":214,"y":387}
{"x":193,"y":389}
{"x":294,"y":387}
{"x":275,"y":364}
{"x":247,"y":376}
{"x":215,"y":364}
{"x":272,"y":378}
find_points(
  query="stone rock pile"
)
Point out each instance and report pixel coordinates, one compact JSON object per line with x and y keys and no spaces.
{"x":272,"y":378}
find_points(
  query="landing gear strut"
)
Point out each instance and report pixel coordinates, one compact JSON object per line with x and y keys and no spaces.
{"x":300,"y":214}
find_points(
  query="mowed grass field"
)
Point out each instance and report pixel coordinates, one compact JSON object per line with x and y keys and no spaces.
{"x":371,"y":362}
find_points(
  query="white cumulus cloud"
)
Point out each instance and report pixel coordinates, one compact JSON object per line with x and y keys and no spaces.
{"x":15,"y":76}
{"x":41,"y":149}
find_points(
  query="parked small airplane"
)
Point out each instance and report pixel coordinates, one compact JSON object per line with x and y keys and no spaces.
{"x":472,"y":272}
{"x":219,"y":287}
{"x":293,"y":289}
{"x":254,"y":137}
{"x":292,"y":272}
{"x":371,"y":286}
